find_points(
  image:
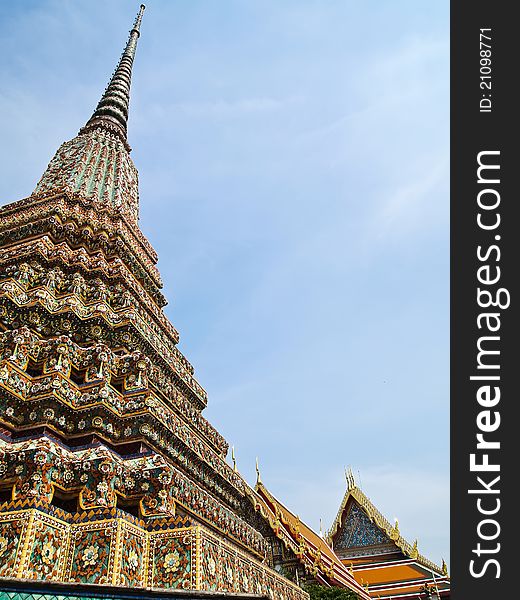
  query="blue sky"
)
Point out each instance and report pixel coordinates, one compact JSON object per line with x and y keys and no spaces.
{"x":293,"y":161}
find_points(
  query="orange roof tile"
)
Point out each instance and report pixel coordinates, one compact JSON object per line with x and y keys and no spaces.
{"x":314,"y":552}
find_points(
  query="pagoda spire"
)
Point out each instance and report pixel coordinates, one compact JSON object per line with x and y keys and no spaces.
{"x":112,"y":110}
{"x":96,"y":164}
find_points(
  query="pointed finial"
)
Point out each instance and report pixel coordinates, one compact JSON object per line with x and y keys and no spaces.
{"x":233,"y":458}
{"x":258,"y":478}
{"x":138,"y":19}
{"x":321,"y":529}
{"x":297,"y":524}
{"x":394,"y":534}
{"x":349,"y":476}
{"x":444,"y":568}
{"x":415,"y":549}
{"x":111,"y":112}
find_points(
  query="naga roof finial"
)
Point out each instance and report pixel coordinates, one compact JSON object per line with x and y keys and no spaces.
{"x":349,"y":476}
{"x":112,"y":110}
{"x":395,"y":533}
{"x":258,"y":478}
{"x":233,"y":458}
{"x":444,"y":567}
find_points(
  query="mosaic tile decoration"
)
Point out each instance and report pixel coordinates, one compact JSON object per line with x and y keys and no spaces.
{"x":116,"y":551}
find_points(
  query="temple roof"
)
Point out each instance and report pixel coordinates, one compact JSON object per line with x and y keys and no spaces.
{"x":355,"y":494}
{"x":312,"y":550}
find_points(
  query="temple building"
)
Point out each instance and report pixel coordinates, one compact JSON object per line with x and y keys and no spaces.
{"x":111,"y":479}
{"x":380,"y":559}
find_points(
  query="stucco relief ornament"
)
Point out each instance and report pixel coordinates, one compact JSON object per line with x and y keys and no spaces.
{"x":171,"y":562}
{"x":212,"y":566}
{"x":3,"y":545}
{"x":133,"y":560}
{"x":90,"y":556}
{"x":48,"y":552}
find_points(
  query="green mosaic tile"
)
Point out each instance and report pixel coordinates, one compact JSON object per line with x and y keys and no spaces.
{"x":37,"y":596}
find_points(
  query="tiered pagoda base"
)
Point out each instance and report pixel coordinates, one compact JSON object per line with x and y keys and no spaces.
{"x":78,"y":543}
{"x":110,"y":547}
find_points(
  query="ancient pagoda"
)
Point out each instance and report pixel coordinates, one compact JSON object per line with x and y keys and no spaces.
{"x":109,"y":474}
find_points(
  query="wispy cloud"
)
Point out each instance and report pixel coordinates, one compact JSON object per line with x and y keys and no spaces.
{"x":403,"y":208}
{"x":223,"y":108}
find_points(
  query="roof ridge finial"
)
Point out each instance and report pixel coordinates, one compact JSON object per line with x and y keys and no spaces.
{"x":233,"y":459}
{"x":444,"y":567}
{"x":394,"y":532}
{"x":258,"y":478}
{"x":112,"y":110}
{"x":351,"y":480}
